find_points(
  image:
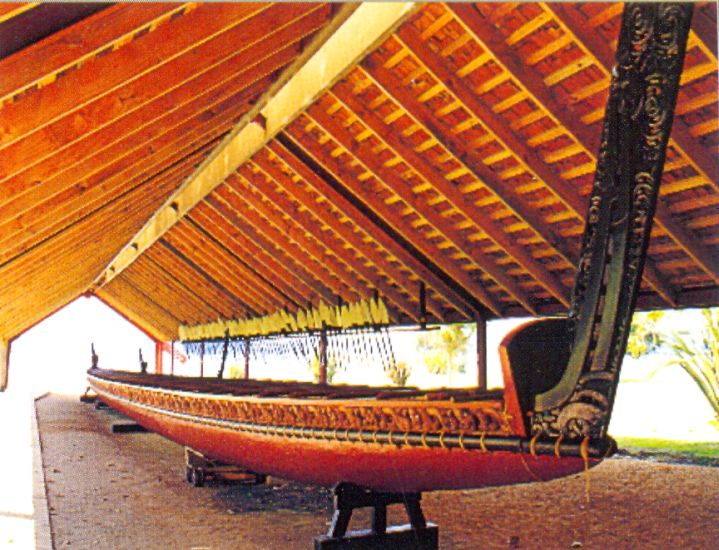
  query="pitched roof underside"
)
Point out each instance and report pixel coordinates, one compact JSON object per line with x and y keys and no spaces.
{"x":459,"y":153}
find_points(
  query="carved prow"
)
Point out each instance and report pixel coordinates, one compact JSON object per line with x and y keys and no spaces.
{"x":639,"y":114}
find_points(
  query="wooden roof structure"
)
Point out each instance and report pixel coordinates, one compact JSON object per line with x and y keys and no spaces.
{"x":186,"y":162}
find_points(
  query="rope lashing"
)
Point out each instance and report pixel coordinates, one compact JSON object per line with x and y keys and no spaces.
{"x":584,"y":452}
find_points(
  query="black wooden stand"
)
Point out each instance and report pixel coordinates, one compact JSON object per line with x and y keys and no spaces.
{"x":417,"y":535}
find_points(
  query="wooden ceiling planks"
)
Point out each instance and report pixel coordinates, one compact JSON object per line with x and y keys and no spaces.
{"x":41,"y":63}
{"x":458,"y":153}
{"x":304,"y":186}
{"x":705,"y":165}
{"x":353,"y":30}
{"x":77,"y":149}
{"x":274,"y":185}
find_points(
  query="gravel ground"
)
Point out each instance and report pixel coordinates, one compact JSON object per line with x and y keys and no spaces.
{"x":127,"y":491}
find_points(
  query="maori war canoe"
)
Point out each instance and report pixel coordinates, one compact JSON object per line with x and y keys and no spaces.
{"x":551,"y":418}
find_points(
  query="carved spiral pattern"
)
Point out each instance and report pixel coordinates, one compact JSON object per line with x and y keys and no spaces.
{"x":485,"y":417}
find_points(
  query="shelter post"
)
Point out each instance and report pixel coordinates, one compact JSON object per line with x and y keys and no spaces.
{"x":158,"y":356}
{"x":481,"y":353}
{"x":322,"y":355}
{"x":4,"y":363}
{"x":247,"y":358}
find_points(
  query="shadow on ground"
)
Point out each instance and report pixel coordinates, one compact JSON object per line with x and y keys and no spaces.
{"x":273,"y":495}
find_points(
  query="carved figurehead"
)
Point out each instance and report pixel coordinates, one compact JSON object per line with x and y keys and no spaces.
{"x":571,"y":396}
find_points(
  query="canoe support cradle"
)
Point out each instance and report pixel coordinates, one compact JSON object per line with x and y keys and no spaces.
{"x":417,"y":535}
{"x":199,"y":468}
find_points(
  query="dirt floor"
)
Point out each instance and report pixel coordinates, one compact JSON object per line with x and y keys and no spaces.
{"x":127,"y":491}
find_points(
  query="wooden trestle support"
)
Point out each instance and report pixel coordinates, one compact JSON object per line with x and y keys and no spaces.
{"x":551,"y":418}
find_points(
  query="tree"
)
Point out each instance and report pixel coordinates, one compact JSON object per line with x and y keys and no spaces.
{"x":644,"y":334}
{"x":399,"y":373}
{"x":444,"y":351}
{"x":331,"y":369}
{"x":698,"y":355}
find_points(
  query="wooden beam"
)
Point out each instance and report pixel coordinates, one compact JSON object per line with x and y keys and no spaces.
{"x":705,"y":165}
{"x":390,"y":178}
{"x":703,"y":162}
{"x":393,"y":219}
{"x":8,"y":10}
{"x":503,"y":135}
{"x":306,"y":255}
{"x":441,"y":131}
{"x":39,"y":64}
{"x":487,"y":36}
{"x":353,"y":32}
{"x":62,"y":197}
{"x":223,"y":267}
{"x":437,"y":180}
{"x":348,"y":282}
{"x":139,"y":307}
{"x":168,"y":257}
{"x":329,"y":190}
{"x":4,"y":363}
{"x":214,"y":70}
{"x":216,"y":225}
{"x":346,"y":231}
{"x":37,"y":232}
{"x":311,"y":221}
{"x":168,"y":289}
{"x":104,"y":75}
{"x":50,"y":275}
{"x":265,"y":251}
{"x":265,"y":282}
{"x":705,"y":26}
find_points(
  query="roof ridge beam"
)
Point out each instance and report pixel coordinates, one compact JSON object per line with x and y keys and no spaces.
{"x":354,"y":31}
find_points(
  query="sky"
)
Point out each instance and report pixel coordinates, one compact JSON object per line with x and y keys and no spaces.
{"x":55,"y":354}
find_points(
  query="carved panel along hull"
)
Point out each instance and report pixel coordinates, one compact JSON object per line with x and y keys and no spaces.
{"x":216,"y":424}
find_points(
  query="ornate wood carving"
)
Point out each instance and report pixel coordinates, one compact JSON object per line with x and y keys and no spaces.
{"x":636,"y":129}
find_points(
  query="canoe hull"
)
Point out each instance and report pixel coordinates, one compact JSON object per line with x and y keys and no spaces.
{"x":329,"y":460}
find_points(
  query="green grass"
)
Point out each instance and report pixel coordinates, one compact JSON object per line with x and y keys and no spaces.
{"x":703,"y":452}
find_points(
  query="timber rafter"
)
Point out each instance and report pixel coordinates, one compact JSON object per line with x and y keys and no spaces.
{"x":230,"y":160}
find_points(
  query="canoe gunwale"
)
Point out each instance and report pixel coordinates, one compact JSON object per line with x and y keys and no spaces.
{"x":484,"y":442}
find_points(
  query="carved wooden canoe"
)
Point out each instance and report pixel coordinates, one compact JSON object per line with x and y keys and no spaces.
{"x":561,"y":375}
{"x":379,"y":438}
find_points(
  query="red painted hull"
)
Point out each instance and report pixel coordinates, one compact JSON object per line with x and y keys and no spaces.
{"x":379,"y":466}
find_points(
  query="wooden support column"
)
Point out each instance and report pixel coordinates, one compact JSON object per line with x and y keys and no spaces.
{"x":322,"y":355}
{"x":481,"y":353}
{"x":4,"y":363}
{"x":202,"y":359}
{"x":172,"y":357}
{"x":247,"y":358}
{"x":158,"y":356}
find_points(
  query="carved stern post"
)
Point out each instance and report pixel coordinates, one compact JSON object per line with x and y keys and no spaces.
{"x":573,"y":397}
